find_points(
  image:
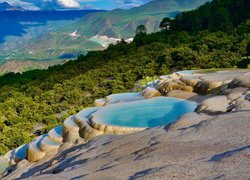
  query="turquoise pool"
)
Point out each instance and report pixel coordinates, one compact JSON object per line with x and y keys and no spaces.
{"x":21,"y":151}
{"x":186,"y":72}
{"x":144,"y":113}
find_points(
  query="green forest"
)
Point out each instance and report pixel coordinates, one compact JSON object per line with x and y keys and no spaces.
{"x":216,"y":35}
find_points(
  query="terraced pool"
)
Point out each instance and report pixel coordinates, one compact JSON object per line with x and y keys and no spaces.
{"x":144,"y":113}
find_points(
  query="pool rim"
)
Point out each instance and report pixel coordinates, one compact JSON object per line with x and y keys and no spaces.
{"x":115,"y":129}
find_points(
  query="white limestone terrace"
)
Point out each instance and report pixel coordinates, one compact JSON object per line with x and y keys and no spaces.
{"x":118,"y":98}
{"x":82,"y":118}
{"x":133,"y":116}
{"x":232,"y":87}
{"x":76,"y":128}
{"x":4,"y":164}
{"x":166,"y":77}
{"x":36,"y":149}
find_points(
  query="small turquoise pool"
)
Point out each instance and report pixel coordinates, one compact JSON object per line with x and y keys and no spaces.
{"x":21,"y":151}
{"x":144,"y":113}
{"x":186,"y":72}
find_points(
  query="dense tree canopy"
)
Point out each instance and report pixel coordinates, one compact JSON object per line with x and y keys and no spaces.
{"x":141,"y":29}
{"x":216,"y":15}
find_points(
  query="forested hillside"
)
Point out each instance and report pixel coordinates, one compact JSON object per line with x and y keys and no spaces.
{"x":43,"y":98}
{"x":215,"y":15}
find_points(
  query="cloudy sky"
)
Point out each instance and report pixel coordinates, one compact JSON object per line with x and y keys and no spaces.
{"x":81,"y":4}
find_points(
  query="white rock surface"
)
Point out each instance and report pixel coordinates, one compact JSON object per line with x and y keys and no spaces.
{"x":212,"y":148}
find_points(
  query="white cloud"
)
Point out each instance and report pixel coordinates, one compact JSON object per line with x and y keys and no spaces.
{"x":43,"y":4}
{"x":71,"y":4}
{"x":68,"y":3}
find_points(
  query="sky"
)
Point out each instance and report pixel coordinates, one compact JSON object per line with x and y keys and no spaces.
{"x":76,"y":4}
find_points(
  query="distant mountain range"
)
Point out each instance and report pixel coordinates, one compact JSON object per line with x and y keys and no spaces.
{"x":21,"y":28}
{"x":40,"y":41}
{"x":122,"y":23}
{"x":7,"y":7}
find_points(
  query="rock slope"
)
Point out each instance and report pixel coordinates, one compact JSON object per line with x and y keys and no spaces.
{"x":211,"y":143}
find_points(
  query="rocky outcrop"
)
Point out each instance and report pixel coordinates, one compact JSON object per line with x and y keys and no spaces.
{"x":100,"y":102}
{"x":70,"y":130}
{"x":189,"y":120}
{"x":241,"y":81}
{"x":150,"y":93}
{"x":181,"y":94}
{"x":214,"y":105}
{"x":233,"y":94}
{"x":170,"y":86}
{"x":212,"y":82}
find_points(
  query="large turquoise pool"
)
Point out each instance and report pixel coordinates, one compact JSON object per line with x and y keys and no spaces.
{"x":144,"y":113}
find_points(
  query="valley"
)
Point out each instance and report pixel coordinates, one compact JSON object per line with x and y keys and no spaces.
{"x":21,"y":28}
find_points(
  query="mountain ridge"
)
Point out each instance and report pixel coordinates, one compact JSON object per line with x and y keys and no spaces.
{"x":7,"y":7}
{"x":120,"y":18}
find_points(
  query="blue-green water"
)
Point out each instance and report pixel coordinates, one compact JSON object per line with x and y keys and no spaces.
{"x":86,"y":113}
{"x":21,"y":151}
{"x":58,"y":130}
{"x":144,"y":113}
{"x":186,"y":72}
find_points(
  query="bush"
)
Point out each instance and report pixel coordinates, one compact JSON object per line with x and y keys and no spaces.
{"x":244,"y":62}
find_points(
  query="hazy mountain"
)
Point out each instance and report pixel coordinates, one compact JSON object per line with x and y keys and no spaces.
{"x":7,"y":7}
{"x":70,"y":40}
{"x":20,"y":28}
{"x":17,"y":22}
{"x":122,"y":23}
